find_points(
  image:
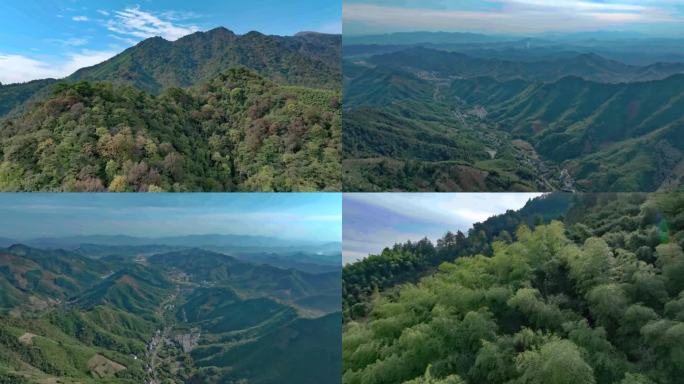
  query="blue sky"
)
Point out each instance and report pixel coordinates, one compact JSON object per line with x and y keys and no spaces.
{"x":40,"y":38}
{"x":300,"y":216}
{"x":656,"y":17}
{"x":373,"y":221}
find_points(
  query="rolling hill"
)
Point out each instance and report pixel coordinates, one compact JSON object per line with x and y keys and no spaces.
{"x":588,"y":66}
{"x":252,"y":280}
{"x":163,"y":316}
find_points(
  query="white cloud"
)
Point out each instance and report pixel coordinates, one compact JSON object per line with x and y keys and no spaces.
{"x":444,"y":208}
{"x":103,"y":12}
{"x":19,"y":68}
{"x":71,"y":42}
{"x":413,"y":216}
{"x":134,"y":22}
{"x":80,"y":18}
{"x":579,"y":5}
{"x":333,"y":27}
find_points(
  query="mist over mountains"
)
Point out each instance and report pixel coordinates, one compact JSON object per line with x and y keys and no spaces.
{"x":186,"y":241}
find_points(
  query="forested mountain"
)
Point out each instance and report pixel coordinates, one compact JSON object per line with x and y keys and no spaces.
{"x":212,"y":111}
{"x":594,"y":297}
{"x":588,"y":66}
{"x":308,"y":59}
{"x":155,"y":64}
{"x":13,"y":95}
{"x":425,"y":119}
{"x":178,"y":317}
{"x":237,"y":132}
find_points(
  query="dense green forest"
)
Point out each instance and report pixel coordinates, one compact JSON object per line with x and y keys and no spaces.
{"x":593,"y":297}
{"x":212,"y":111}
{"x":236,"y":132}
{"x":187,"y":316}
{"x":424,"y":119}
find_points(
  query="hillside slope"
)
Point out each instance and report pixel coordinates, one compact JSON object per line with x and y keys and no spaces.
{"x":236,"y":132}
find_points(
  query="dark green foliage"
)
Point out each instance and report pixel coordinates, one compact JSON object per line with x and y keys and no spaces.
{"x":563,"y":303}
{"x":14,"y":95}
{"x":401,"y":133}
{"x":156,"y":64}
{"x":285,"y":346}
{"x":134,"y":289}
{"x":237,"y":132}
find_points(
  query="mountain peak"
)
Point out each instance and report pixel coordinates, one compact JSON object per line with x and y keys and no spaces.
{"x":254,"y":34}
{"x":221,"y":29}
{"x":152,"y":41}
{"x":19,"y":249}
{"x":591,"y":57}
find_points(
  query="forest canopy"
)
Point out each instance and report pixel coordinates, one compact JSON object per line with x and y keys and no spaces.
{"x":237,"y":132}
{"x":597,"y":298}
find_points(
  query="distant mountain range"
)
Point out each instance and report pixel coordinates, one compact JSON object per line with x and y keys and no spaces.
{"x":423,"y":37}
{"x":187,"y":241}
{"x":588,"y":66}
{"x":633,"y":49}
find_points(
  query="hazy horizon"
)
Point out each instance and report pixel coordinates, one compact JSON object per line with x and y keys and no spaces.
{"x":653,"y":18}
{"x":292,"y":217}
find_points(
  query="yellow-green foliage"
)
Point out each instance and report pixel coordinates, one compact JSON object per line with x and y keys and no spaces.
{"x":542,"y":309}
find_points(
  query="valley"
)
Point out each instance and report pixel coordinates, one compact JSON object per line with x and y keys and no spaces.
{"x":175,"y":317}
{"x":426,"y":117}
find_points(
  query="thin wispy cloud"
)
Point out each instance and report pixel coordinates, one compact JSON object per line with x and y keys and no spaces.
{"x":333,"y":27}
{"x":134,"y":22}
{"x":313,"y":217}
{"x":71,"y":42}
{"x":80,"y":18}
{"x":20,"y":68}
{"x":375,"y":221}
{"x":507,"y":16}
